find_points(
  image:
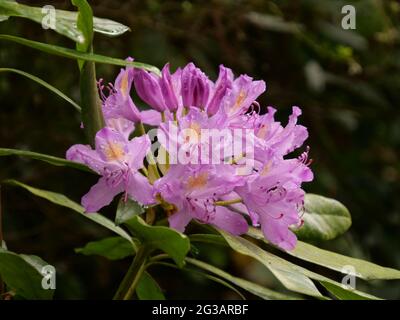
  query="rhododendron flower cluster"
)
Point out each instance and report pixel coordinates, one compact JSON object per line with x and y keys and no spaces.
{"x":243,"y":177}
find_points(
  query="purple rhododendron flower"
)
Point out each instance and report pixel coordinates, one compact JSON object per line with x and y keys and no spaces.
{"x":117,"y":160}
{"x":227,"y":192}
{"x":194,"y":191}
{"x":195,"y":87}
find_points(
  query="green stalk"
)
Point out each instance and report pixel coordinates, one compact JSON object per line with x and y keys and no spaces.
{"x":129,"y":283}
{"x":2,"y":287}
{"x":92,"y":115}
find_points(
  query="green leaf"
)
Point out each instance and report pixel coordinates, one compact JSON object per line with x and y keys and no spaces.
{"x":273,"y":23}
{"x":338,"y":34}
{"x":127,"y":210}
{"x":251,"y":287}
{"x":208,"y":276}
{"x":289,"y":275}
{"x":64,"y":201}
{"x":43,"y":83}
{"x":255,"y":233}
{"x":113,"y":248}
{"x":208,"y":238}
{"x":174,"y":243}
{"x":65,"y":23}
{"x":344,"y":294}
{"x":22,"y":274}
{"x":74,"y":54}
{"x":148,"y":288}
{"x":363,"y":269}
{"x":55,"y":161}
{"x":324,"y":218}
{"x":84,"y":24}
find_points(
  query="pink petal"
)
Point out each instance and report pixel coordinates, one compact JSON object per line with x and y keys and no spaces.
{"x":138,"y":148}
{"x":85,"y":155}
{"x":140,"y":189}
{"x":230,"y":221}
{"x":151,"y":117}
{"x":179,"y":220}
{"x":100,"y":195}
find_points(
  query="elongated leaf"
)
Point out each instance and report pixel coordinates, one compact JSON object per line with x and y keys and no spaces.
{"x":312,"y":275}
{"x":324,"y":218}
{"x":208,"y":238}
{"x":63,"y":201}
{"x":174,"y":243}
{"x":251,"y":287}
{"x":335,"y":261}
{"x":127,"y":210}
{"x":74,"y":54}
{"x":65,"y":20}
{"x":113,"y":248}
{"x":344,"y":294}
{"x":44,"y":84}
{"x":55,"y":161}
{"x":148,"y":288}
{"x":208,"y":276}
{"x":289,"y":275}
{"x":363,"y":269}
{"x":338,"y":34}
{"x":273,"y":23}
{"x":22,"y":274}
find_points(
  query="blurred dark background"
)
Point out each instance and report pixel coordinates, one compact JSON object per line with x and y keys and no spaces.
{"x":346,"y":81}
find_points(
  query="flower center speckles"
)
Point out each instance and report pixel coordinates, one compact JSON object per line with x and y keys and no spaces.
{"x":239,"y":100}
{"x":197,"y":182}
{"x":274,"y":194}
{"x":262,"y":132}
{"x":114,"y":177}
{"x":266,"y":169}
{"x":196,"y":127}
{"x":203,"y":209}
{"x":124,"y":85}
{"x":114,"y":151}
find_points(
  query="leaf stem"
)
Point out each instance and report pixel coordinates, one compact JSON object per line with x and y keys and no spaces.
{"x":129,"y":283}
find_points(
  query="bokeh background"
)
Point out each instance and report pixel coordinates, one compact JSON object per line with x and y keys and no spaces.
{"x":346,"y":82}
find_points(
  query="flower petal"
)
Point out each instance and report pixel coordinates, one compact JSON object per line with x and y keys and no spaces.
{"x":138,"y":148}
{"x":86,"y":155}
{"x":277,"y":232}
{"x":111,"y":145}
{"x":179,"y":220}
{"x":140,"y":189}
{"x":230,"y":221}
{"x":100,"y":195}
{"x":151,"y":117}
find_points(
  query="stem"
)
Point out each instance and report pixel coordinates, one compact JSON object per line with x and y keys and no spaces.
{"x":150,"y":216}
{"x":142,"y":130}
{"x":1,"y":243}
{"x":92,"y":115}
{"x":128,"y":285}
{"x":227,"y":202}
